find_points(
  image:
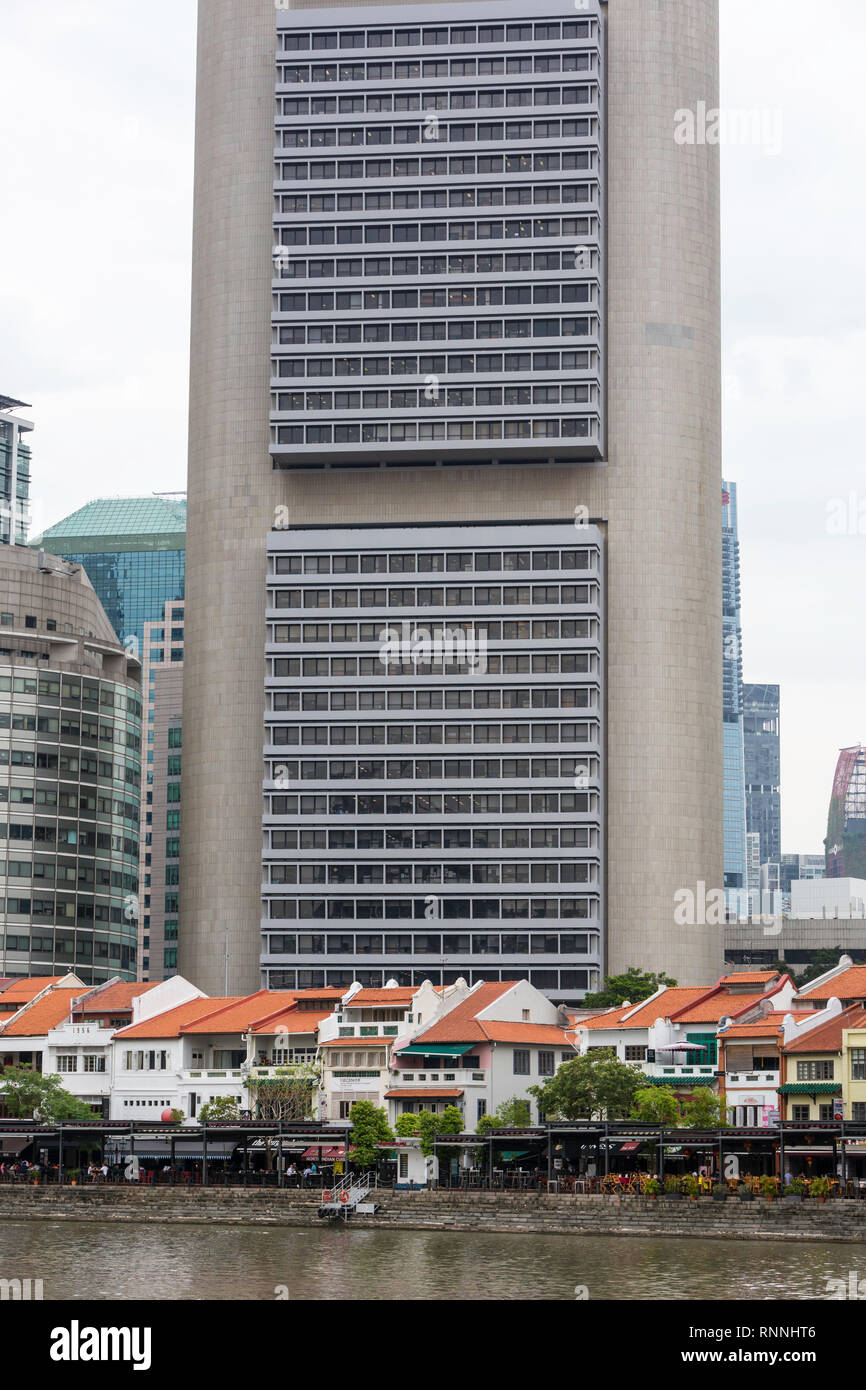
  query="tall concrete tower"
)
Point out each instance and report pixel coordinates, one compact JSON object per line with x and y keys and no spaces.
{"x":643,"y":464}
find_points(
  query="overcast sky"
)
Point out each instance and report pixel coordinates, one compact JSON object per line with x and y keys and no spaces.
{"x":96,"y":125}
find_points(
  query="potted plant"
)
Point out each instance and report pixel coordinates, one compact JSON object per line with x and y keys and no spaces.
{"x":820,"y":1188}
{"x":672,"y":1188}
{"x":795,"y":1191}
{"x":690,"y":1187}
{"x":720,"y":1192}
{"x":651,"y":1188}
{"x":768,"y":1187}
{"x":745,"y":1193}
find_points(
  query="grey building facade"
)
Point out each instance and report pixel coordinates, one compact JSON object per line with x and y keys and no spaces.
{"x":433,"y":784}
{"x":70,"y":776}
{"x":763,"y":768}
{"x":526,"y":362}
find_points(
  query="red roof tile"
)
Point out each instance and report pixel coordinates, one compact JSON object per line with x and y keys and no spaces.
{"x":422,"y":1093}
{"x":22,"y":990}
{"x":116,"y":999}
{"x":366,"y":997}
{"x":749,"y":977}
{"x":237,"y":1016}
{"x":539,"y":1033}
{"x":292,"y":1021}
{"x":850,"y":984}
{"x":766,"y":1027}
{"x":719,"y":1005}
{"x":460,"y":1024}
{"x":827,"y":1037}
{"x":37,"y":1018}
{"x":170,"y":1024}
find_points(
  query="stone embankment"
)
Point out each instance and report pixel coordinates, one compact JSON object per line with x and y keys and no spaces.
{"x":520,"y":1213}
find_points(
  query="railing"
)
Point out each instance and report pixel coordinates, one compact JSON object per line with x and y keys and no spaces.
{"x":752,"y":1078}
{"x":658,"y":1069}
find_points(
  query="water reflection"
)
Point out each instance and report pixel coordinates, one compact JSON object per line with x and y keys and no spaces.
{"x":83,"y":1260}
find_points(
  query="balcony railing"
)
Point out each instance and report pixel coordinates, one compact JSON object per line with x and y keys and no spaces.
{"x":752,"y":1078}
{"x":436,"y":1078}
{"x":656,"y":1069}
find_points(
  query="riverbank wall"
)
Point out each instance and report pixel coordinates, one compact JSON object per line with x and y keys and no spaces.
{"x":502,"y":1213}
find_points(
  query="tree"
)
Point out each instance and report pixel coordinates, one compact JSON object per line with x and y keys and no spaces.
{"x":406,"y":1126}
{"x":282,"y":1096}
{"x":177,"y":1116}
{"x":369,"y":1129}
{"x":30,"y":1095}
{"x":510,"y":1114}
{"x":819,"y":964}
{"x":629,"y":988}
{"x":224,"y":1110}
{"x":596,"y":1085}
{"x":658,"y":1104}
{"x":705,"y":1111}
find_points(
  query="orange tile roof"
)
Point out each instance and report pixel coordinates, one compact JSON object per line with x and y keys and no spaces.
{"x":292,"y":1020}
{"x":403,"y":995}
{"x":717,"y":1006}
{"x":749,"y":977}
{"x":116,"y":999}
{"x":609,"y":1019}
{"x":45,"y":1013}
{"x":550,"y":1033}
{"x":170,"y":1024}
{"x":237,"y":1016}
{"x":850,"y":984}
{"x":20,"y":991}
{"x":827,"y":1037}
{"x":460,"y":1024}
{"x":422,"y":1093}
{"x":764,"y":1027}
{"x":665,"y":1006}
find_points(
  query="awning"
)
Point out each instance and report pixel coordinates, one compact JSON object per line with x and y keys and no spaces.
{"x":327,"y":1155}
{"x":423,"y":1093}
{"x":810,"y":1088}
{"x":436,"y":1049}
{"x":217,"y":1150}
{"x":678,"y":1083}
{"x":682,"y":1047}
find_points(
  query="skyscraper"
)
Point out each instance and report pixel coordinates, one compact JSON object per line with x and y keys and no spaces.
{"x":14,"y":472}
{"x":134,"y":552}
{"x":162,"y":682}
{"x":561,"y":363}
{"x":736,"y":868}
{"x":845,"y":845}
{"x":763,"y":767}
{"x":70,"y":776}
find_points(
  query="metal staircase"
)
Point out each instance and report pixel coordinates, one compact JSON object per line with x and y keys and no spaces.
{"x":346,"y":1197}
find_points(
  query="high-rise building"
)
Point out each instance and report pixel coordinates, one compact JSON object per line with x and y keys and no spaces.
{"x":14,"y":472}
{"x":162,"y":683}
{"x":433,"y":804}
{"x":736,"y":868}
{"x":480,"y":316}
{"x":134,"y":552}
{"x":845,"y":845}
{"x":800,"y":866}
{"x":70,"y":776}
{"x":763,"y":767}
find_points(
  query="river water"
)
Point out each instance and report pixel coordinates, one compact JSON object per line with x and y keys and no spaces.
{"x":85,"y":1260}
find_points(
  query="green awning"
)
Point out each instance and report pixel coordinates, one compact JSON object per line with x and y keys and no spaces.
{"x":811,"y":1088}
{"x":436,"y":1049}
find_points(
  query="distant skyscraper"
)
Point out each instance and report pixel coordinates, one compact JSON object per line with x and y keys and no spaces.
{"x":162,"y":683}
{"x":14,"y":472}
{"x":845,"y":845}
{"x":736,"y":871}
{"x":134,"y":552}
{"x":763,"y":767}
{"x":70,"y":776}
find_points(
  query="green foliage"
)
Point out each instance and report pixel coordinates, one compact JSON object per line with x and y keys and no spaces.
{"x":29,"y":1095}
{"x":222,"y":1111}
{"x":630,"y":988}
{"x":819,"y":1187}
{"x":511,"y":1114}
{"x":651,"y":1187}
{"x":406,"y":1125}
{"x":658,"y":1104}
{"x":690,"y":1186}
{"x":177,"y":1116}
{"x":594,"y":1086}
{"x":672,"y":1184}
{"x":705,"y":1111}
{"x":282,"y":1096}
{"x":369,"y":1129}
{"x":431,"y":1127}
{"x":820,"y":963}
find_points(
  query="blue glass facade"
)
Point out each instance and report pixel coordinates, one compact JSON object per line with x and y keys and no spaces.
{"x":133,"y":550}
{"x":732,"y":698}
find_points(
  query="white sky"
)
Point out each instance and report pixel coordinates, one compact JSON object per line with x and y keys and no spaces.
{"x":96,"y":125}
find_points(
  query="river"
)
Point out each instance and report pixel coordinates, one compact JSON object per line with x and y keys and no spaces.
{"x":85,"y":1260}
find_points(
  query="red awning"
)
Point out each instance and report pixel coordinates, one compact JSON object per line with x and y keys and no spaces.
{"x":327,"y":1152}
{"x":422,"y":1093}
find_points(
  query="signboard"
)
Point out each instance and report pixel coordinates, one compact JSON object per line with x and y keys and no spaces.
{"x":839,"y":1109}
